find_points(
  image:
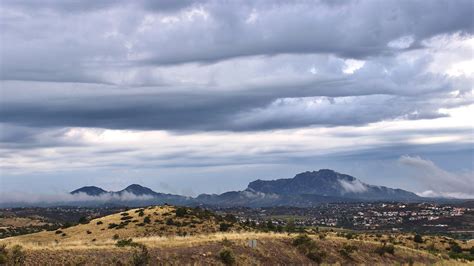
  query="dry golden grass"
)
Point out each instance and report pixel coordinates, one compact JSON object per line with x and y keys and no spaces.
{"x":95,"y":243}
{"x":98,"y":234}
{"x":6,"y":222}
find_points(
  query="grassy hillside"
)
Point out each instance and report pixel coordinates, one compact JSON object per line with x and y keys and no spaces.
{"x":173,"y":235}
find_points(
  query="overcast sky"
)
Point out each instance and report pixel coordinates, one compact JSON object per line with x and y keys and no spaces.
{"x":190,"y":97}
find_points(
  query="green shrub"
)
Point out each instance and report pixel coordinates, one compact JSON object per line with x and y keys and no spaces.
{"x":227,"y":256}
{"x":140,"y":257}
{"x":226,"y":242}
{"x":58,"y":232}
{"x":181,"y":212}
{"x":112,"y":225}
{"x":17,"y":255}
{"x":230,"y":218}
{"x":418,"y":239}
{"x":390,"y":249}
{"x":224,"y":227}
{"x":99,"y":222}
{"x":147,"y":220}
{"x":3,"y":254}
{"x":83,"y":220}
{"x":308,"y":247}
{"x":455,"y":248}
{"x":302,"y":240}
{"x":126,"y":242}
{"x":347,"y":250}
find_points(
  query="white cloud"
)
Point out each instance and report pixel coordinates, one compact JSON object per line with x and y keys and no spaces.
{"x":22,"y":197}
{"x":355,"y":186}
{"x":440,"y":182}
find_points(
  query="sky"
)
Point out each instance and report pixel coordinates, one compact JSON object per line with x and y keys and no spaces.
{"x":193,"y":97}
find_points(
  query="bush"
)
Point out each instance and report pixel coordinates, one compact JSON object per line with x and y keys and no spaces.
{"x":169,"y":221}
{"x":112,"y":225}
{"x":230,"y":218}
{"x":349,"y":236}
{"x":115,"y":237}
{"x":83,"y":220}
{"x":147,"y":220}
{"x":181,"y":212}
{"x":347,"y":250}
{"x":17,"y":255}
{"x":140,"y":257}
{"x":226,"y":256}
{"x":99,"y":222}
{"x":309,"y":248}
{"x":125,"y":218}
{"x":58,"y":232}
{"x":462,"y":256}
{"x":455,"y":248}
{"x":226,"y":242}
{"x":302,"y":240}
{"x":418,"y":239}
{"x":3,"y":254}
{"x":126,"y":242}
{"x":224,"y":227}
{"x":390,"y":249}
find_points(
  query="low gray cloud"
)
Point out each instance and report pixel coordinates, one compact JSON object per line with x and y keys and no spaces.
{"x":64,"y":198}
{"x":441,"y":183}
{"x":355,"y":186}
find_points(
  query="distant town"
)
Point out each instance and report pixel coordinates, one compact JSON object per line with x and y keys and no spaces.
{"x":420,"y":217}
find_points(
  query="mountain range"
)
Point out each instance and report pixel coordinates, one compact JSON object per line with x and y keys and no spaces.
{"x":303,"y":190}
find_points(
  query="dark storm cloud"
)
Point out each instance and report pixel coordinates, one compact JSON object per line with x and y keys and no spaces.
{"x":121,"y":47}
{"x":58,"y":45}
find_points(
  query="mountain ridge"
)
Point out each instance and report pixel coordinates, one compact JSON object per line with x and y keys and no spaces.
{"x":304,"y":189}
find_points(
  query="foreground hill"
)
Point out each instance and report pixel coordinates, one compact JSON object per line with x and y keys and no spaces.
{"x":151,"y":221}
{"x":198,"y":237}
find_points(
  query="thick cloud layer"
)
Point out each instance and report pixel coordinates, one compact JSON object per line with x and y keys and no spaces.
{"x":112,"y":64}
{"x":157,"y":84}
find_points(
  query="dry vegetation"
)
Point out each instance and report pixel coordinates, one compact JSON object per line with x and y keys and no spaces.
{"x":165,"y":234}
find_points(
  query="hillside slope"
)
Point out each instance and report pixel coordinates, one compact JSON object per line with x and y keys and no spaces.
{"x":194,"y":237}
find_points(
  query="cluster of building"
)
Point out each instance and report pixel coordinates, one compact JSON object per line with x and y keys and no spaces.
{"x":365,"y":216}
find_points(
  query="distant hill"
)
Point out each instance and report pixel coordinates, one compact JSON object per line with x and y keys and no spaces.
{"x":133,"y":195}
{"x":305,"y":189}
{"x":90,"y":190}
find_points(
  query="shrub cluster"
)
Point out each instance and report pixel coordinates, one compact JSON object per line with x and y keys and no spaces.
{"x":15,"y":256}
{"x":309,"y":248}
{"x":227,"y":256}
{"x":381,"y":250}
{"x":347,"y":250}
